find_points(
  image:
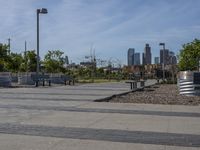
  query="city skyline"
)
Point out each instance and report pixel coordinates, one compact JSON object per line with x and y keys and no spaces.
{"x":111,"y":27}
{"x":133,"y":57}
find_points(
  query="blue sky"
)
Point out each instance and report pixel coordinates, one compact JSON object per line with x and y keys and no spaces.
{"x":111,"y":26}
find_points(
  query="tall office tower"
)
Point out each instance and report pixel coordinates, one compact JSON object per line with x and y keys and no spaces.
{"x":130,"y":56}
{"x":172,"y":58}
{"x":143,"y":59}
{"x":66,"y":60}
{"x":137,"y":59}
{"x":164,"y":56}
{"x":171,"y":53}
{"x":156,"y":60}
{"x":146,"y":56}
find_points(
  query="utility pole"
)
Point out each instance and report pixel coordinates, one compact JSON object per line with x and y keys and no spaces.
{"x":9,"y":46}
{"x":93,"y":61}
{"x":164,"y":62}
{"x":25,"y":55}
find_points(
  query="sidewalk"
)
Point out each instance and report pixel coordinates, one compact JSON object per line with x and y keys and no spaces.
{"x":67,"y":118}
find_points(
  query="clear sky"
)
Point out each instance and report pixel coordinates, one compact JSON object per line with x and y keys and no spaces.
{"x":111,"y":26}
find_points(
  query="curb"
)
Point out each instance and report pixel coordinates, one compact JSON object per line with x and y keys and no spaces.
{"x":107,"y":99}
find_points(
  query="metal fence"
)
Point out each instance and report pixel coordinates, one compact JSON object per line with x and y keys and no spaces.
{"x":56,"y":78}
{"x":24,"y":78}
{"x":5,"y":79}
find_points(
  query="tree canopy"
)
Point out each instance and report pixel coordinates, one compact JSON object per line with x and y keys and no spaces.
{"x":54,"y":61}
{"x":190,"y":56}
{"x":3,"y":56}
{"x":14,"y":62}
{"x":31,"y":59}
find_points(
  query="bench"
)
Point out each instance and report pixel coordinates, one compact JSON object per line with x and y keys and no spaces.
{"x":67,"y":78}
{"x":133,"y":84}
{"x":41,"y":77}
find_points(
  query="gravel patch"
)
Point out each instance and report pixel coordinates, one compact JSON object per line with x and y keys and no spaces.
{"x":158,"y":94}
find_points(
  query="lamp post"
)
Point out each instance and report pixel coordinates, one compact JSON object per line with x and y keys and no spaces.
{"x":163,"y":64}
{"x":39,"y":11}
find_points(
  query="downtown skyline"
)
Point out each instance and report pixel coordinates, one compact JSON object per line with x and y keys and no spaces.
{"x":111,"y":27}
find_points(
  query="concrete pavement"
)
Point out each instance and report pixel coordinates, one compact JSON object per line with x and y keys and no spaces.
{"x":67,"y":118}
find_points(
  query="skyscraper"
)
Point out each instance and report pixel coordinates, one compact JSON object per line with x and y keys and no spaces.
{"x":164,"y":56}
{"x":156,"y":60}
{"x":146,"y":56}
{"x":130,"y":56}
{"x":66,"y":60}
{"x":169,"y":57}
{"x":137,"y":59}
{"x":172,"y":58}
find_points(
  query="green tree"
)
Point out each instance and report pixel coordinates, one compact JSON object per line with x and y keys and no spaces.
{"x":31,"y":58}
{"x":14,"y":61}
{"x":100,"y":72}
{"x":190,"y":56}
{"x":54,"y":61}
{"x":3,"y":56}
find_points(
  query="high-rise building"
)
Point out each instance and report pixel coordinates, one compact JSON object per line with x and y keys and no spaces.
{"x":130,"y":56}
{"x":164,"y":56}
{"x":156,"y":60}
{"x":143,"y":59}
{"x":172,"y":58}
{"x":171,"y":53}
{"x":137,"y":59}
{"x":66,"y":60}
{"x":146,"y":56}
{"x":169,"y":57}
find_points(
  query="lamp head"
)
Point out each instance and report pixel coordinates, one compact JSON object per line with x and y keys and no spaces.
{"x":43,"y":11}
{"x":161,"y":44}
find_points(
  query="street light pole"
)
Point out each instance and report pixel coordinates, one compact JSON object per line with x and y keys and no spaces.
{"x":38,"y":57}
{"x":39,"y":11}
{"x":163,"y":64}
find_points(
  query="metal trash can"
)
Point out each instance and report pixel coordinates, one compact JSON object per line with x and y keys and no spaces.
{"x":189,"y":83}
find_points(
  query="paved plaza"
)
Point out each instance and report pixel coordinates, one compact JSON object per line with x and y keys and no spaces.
{"x":66,"y":117}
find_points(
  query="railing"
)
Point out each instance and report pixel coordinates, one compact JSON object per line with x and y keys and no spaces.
{"x":5,"y":79}
{"x":24,"y":78}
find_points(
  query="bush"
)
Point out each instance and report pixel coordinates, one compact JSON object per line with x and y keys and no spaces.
{"x":168,"y":81}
